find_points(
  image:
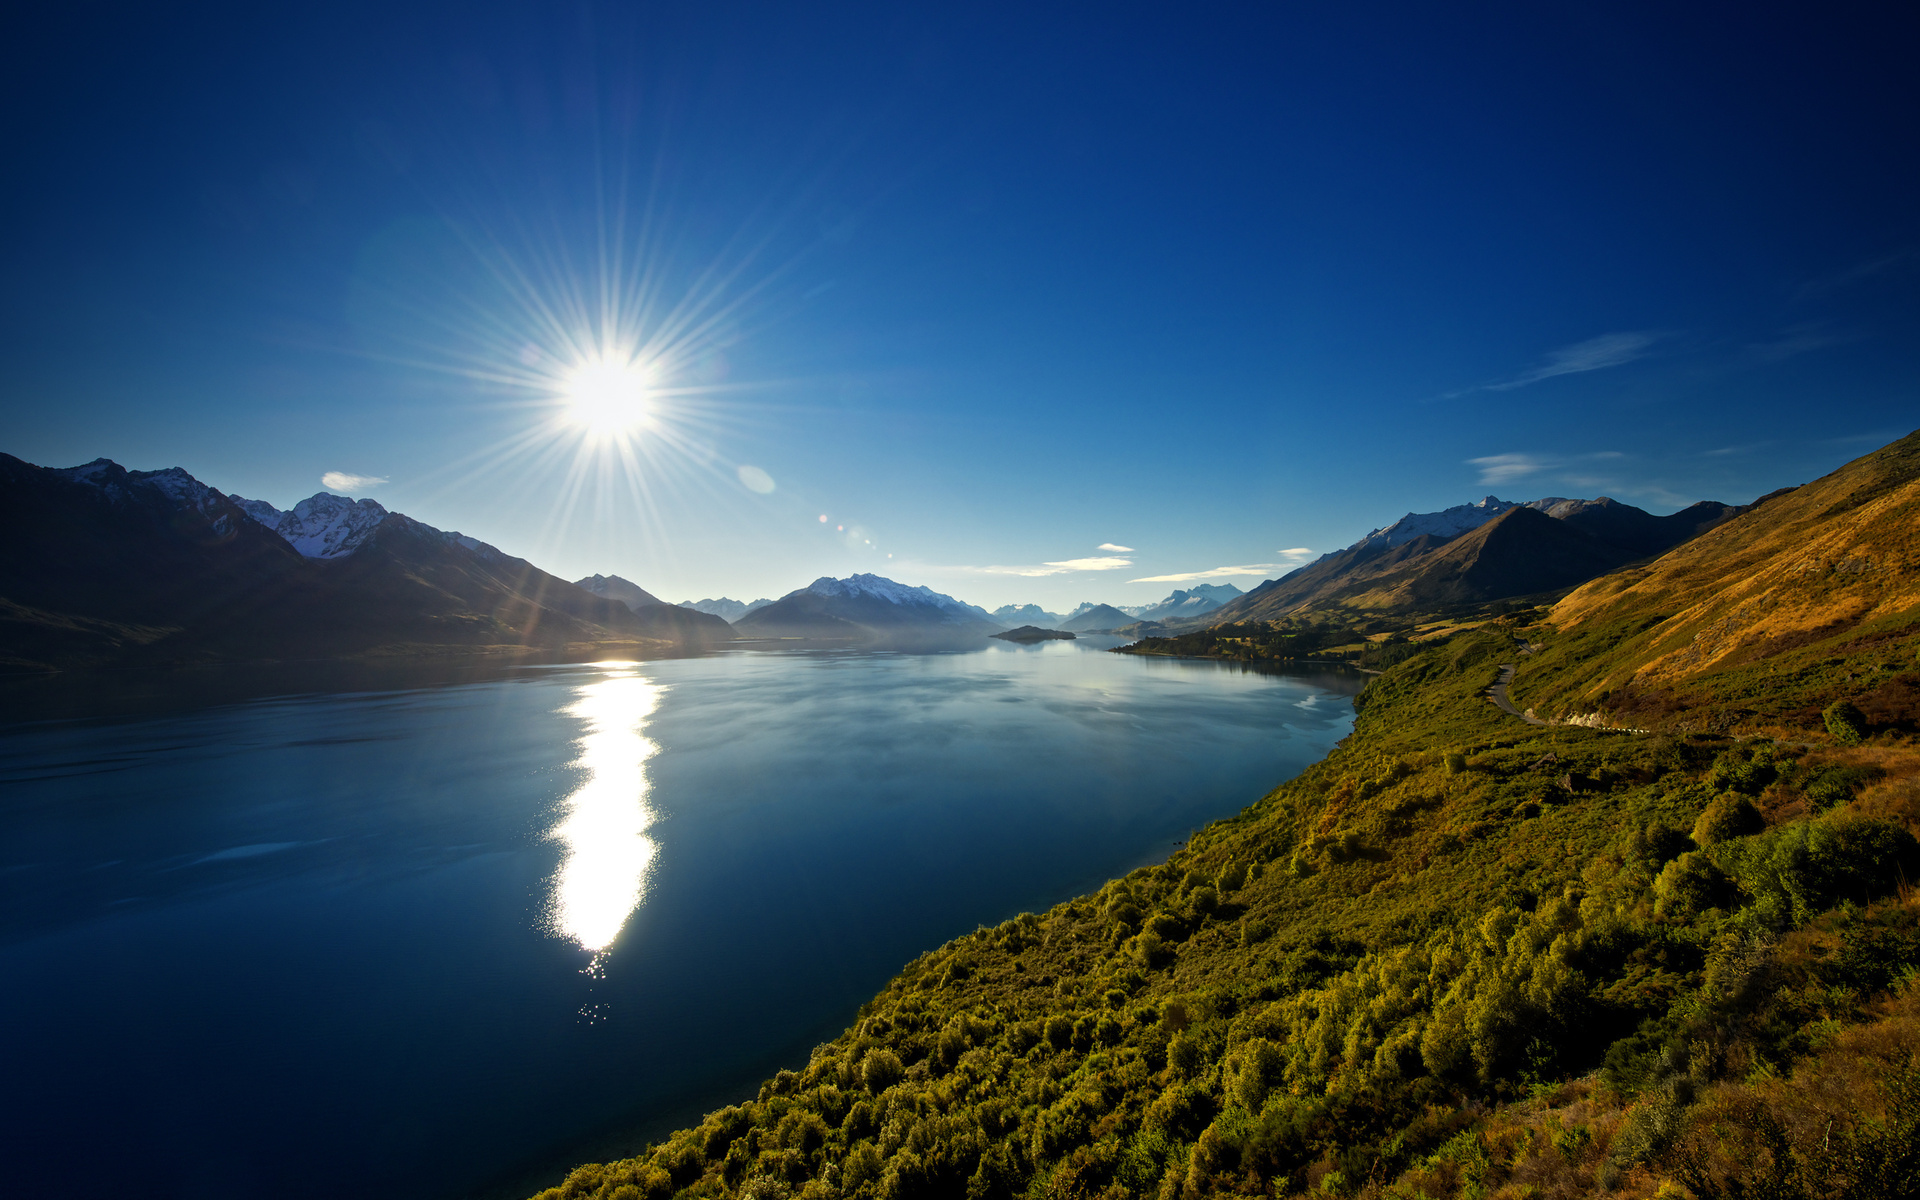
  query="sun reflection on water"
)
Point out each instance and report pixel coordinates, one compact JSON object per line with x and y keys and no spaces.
{"x":603,"y":878}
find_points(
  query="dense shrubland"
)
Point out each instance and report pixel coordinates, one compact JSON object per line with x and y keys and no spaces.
{"x":1459,"y":957}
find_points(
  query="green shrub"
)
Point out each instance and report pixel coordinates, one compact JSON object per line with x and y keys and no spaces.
{"x":1691,"y":884}
{"x":1845,"y":722}
{"x":1729,"y":816}
{"x":880,"y":1070}
{"x":1837,"y":785}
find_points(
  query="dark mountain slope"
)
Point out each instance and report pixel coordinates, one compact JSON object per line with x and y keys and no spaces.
{"x":1099,"y":617}
{"x":99,"y":565}
{"x":1523,"y":552}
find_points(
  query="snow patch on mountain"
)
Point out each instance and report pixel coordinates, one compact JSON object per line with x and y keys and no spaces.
{"x":328,"y":526}
{"x":1026,"y":614}
{"x":1187,"y":602}
{"x":1464,"y":518}
{"x":874,"y":586}
{"x":325,"y":525}
{"x":178,"y":487}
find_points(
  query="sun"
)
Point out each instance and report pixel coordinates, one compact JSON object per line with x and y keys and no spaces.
{"x":608,"y":396}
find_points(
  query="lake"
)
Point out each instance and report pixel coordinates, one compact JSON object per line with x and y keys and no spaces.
{"x":364,"y":932}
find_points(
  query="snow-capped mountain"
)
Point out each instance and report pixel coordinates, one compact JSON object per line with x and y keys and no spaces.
{"x":724,"y":608}
{"x":1027,"y":614}
{"x":1464,"y":518}
{"x":856,"y":587}
{"x":1190,"y":602}
{"x":152,"y":567}
{"x":864,"y":605}
{"x":321,"y":526}
{"x":1448,"y":522}
{"x":328,"y":526}
{"x":171,"y":486}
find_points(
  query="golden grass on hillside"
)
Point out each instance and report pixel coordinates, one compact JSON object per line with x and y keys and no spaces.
{"x":1826,"y":558}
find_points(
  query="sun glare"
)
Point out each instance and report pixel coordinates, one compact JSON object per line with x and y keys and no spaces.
{"x":608,"y":396}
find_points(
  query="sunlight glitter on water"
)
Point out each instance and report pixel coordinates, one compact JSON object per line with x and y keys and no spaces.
{"x":603,"y":877}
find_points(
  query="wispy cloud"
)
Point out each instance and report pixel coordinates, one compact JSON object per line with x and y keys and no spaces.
{"x":1594,"y":354}
{"x":342,"y":481}
{"x":1063,"y":567}
{"x":1215,"y":573}
{"x":1114,"y":548}
{"x":1298,"y":554}
{"x":1505,"y":468}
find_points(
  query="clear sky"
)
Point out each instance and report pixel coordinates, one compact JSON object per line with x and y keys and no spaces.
{"x":1029,"y":302}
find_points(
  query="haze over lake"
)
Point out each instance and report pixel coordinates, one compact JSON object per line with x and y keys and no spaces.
{"x":380,"y":942}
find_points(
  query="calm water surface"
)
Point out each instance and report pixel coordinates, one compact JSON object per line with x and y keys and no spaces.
{"x":428,"y":941}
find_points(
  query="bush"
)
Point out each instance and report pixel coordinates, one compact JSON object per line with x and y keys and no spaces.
{"x":1835,"y":786}
{"x":1255,"y":1072}
{"x":1845,"y":722}
{"x":1728,"y":817}
{"x":880,"y":1070}
{"x":1691,"y":884}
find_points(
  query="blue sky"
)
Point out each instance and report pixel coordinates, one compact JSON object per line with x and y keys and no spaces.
{"x":992,"y":289}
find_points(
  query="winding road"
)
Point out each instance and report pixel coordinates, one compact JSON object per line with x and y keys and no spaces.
{"x":1498,"y":694}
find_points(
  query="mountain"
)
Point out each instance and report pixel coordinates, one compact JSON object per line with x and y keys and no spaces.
{"x":613,"y":587}
{"x":321,"y":526}
{"x":725,"y":609}
{"x":1026,"y":614}
{"x":101,"y":565}
{"x":1475,"y":553}
{"x":1095,"y":618}
{"x":862,"y":607}
{"x":1200,"y":598}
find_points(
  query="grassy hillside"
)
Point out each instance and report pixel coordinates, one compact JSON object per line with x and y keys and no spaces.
{"x":1761,"y":623}
{"x":1462,"y":956}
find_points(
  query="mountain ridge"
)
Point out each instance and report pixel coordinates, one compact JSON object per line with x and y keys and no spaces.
{"x":100,"y":565}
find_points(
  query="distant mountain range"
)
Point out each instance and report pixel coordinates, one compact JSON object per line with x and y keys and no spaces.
{"x":1027,"y":614}
{"x":1200,"y":598}
{"x":101,"y":565}
{"x":865,"y":607}
{"x":1476,"y":553}
{"x":725,"y":609}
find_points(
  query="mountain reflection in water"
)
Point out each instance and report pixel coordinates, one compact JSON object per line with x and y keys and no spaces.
{"x":603,"y":877}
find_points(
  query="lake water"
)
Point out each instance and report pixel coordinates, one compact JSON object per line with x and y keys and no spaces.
{"x":377,"y":939}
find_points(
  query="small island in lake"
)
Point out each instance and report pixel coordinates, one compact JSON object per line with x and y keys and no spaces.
{"x":1033,"y":633}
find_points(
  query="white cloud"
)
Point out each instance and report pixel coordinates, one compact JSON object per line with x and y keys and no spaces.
{"x":1594,"y":354}
{"x":1298,"y":554}
{"x":1063,"y":567}
{"x":755,"y":480}
{"x":1114,"y":548}
{"x":1504,"y":468}
{"x":341,"y":481}
{"x":1215,"y":573}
